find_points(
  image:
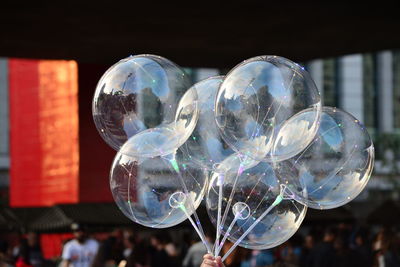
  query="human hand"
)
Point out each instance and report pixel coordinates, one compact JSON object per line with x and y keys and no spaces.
{"x":210,"y":261}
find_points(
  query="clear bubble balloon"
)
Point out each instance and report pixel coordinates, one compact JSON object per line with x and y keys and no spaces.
{"x":137,"y":93}
{"x":255,"y":188}
{"x":165,"y":139}
{"x":205,"y":146}
{"x":255,"y":100}
{"x":157,"y":192}
{"x":335,"y":167}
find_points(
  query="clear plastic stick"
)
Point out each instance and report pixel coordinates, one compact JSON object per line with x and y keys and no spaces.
{"x":241,"y":211}
{"x":199,"y":228}
{"x":228,"y":206}
{"x":278,"y":200}
{"x":220,"y":184}
{"x":219,"y":246}
{"x":202,"y":237}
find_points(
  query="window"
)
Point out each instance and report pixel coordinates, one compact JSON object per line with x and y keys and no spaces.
{"x":330,"y":82}
{"x":396,"y":90}
{"x":370,"y":93}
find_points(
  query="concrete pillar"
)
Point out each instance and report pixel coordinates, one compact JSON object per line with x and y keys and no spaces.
{"x":316,"y":70}
{"x":4,"y":114}
{"x":350,"y":85}
{"x":384,"y":61}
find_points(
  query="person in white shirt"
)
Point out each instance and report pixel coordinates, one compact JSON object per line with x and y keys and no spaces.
{"x":80,"y":251}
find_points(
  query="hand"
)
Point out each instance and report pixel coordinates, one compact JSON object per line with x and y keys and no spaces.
{"x":210,"y":261}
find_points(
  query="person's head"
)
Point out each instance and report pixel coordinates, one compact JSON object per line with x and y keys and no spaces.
{"x":361,"y":237}
{"x":117,"y":233}
{"x":309,"y":241}
{"x":155,"y":241}
{"x":3,"y":249}
{"x":79,"y":232}
{"x":32,"y":239}
{"x":341,"y":243}
{"x":329,"y":235}
{"x":158,"y":240}
{"x":139,"y":256}
{"x":129,"y":241}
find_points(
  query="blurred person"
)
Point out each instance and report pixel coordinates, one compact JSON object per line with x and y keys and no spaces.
{"x":210,"y":261}
{"x":323,"y":254}
{"x":344,"y":257}
{"x":378,"y":248}
{"x":258,"y":258}
{"x":188,"y":239}
{"x":194,"y":256}
{"x":139,"y":257}
{"x":306,"y":249}
{"x":159,"y":256}
{"x":290,"y":251}
{"x":129,"y":243}
{"x":392,"y":254}
{"x":4,"y":259}
{"x":30,"y":252}
{"x":110,"y":251}
{"x":362,"y":248}
{"x":171,"y":249}
{"x":387,"y":249}
{"x":80,"y":251}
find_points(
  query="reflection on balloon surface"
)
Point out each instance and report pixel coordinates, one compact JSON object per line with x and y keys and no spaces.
{"x":256,"y":98}
{"x":335,"y":167}
{"x":167,"y":138}
{"x":156,"y":192}
{"x":135,"y":94}
{"x":205,"y":146}
{"x":255,"y":185}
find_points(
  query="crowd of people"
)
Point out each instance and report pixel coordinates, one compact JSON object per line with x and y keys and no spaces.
{"x":343,"y":245}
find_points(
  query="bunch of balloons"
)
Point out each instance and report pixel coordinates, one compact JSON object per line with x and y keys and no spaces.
{"x":256,"y":144}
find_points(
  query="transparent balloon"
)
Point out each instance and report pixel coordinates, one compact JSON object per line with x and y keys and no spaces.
{"x":205,"y":146}
{"x":166,"y":139}
{"x":157,"y":192}
{"x":335,"y":167}
{"x":255,"y":100}
{"x":138,"y":93}
{"x":253,"y":187}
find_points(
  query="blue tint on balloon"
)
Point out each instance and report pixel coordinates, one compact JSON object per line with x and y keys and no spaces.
{"x":142,"y":188}
{"x":256,"y":99}
{"x":135,"y":94}
{"x":335,"y":167}
{"x":206,"y":147}
{"x":255,"y":184}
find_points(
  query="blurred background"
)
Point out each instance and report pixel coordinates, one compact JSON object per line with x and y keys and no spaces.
{"x":54,"y":166}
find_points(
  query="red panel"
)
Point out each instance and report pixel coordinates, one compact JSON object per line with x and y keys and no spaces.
{"x":44,"y":132}
{"x":25,"y":149}
{"x":50,"y":164}
{"x":58,"y":98}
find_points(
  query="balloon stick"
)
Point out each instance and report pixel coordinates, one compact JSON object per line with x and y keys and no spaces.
{"x":197,"y":226}
{"x":241,"y":211}
{"x":285,"y":193}
{"x":220,"y":184}
{"x":227,"y":208}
